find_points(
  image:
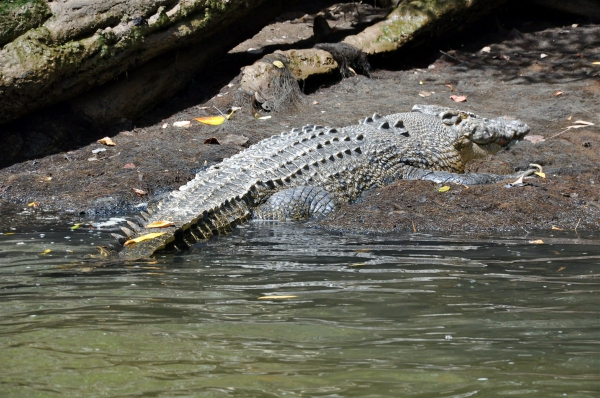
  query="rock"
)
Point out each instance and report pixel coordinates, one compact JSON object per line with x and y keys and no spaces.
{"x":308,"y":62}
{"x":419,"y":19}
{"x":87,"y":44}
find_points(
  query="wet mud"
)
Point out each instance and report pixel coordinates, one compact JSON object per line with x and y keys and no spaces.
{"x":543,"y":72}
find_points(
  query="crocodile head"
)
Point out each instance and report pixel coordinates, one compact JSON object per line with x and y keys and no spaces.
{"x":476,"y":136}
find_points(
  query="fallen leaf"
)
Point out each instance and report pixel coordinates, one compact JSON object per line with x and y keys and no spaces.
{"x":534,"y":139}
{"x":139,"y":192}
{"x":505,"y":57}
{"x":421,"y":82}
{"x":216,"y":120}
{"x":46,"y":251}
{"x":165,"y":125}
{"x":234,"y":139}
{"x":536,"y":242}
{"x":129,"y":166}
{"x":584,"y":122}
{"x":450,"y":86}
{"x":315,"y":102}
{"x":445,"y":188}
{"x":160,"y":224}
{"x":541,"y":174}
{"x":212,"y":141}
{"x":266,"y":117}
{"x":143,"y":238}
{"x":556,"y":228}
{"x":556,"y":94}
{"x":458,"y":98}
{"x":363,"y":250}
{"x":32,"y":204}
{"x":75,"y":226}
{"x":560,"y":269}
{"x":486,"y":49}
{"x":425,"y":94}
{"x":543,"y":55}
{"x":279,"y":64}
{"x":358,"y":264}
{"x":8,"y":233}
{"x":276,"y":297}
{"x":596,"y":63}
{"x":211,"y":120}
{"x":98,"y":150}
{"x":183,"y":123}
{"x":106,"y":141}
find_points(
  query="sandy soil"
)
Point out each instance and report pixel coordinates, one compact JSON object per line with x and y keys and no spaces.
{"x":538,"y":70}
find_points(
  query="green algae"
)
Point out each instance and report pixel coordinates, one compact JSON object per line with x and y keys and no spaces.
{"x":18,"y":16}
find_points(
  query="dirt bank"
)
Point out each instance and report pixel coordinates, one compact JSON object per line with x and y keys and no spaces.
{"x":541,"y":72}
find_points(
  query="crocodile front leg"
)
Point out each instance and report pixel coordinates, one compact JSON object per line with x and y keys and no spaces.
{"x":299,"y":203}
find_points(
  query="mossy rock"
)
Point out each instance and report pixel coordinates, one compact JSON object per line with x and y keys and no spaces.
{"x":18,"y":16}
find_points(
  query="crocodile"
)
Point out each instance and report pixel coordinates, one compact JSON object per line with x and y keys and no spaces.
{"x":307,"y":173}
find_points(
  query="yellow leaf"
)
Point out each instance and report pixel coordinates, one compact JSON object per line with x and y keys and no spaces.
{"x":536,"y":242}
{"x":263,"y":117}
{"x":211,"y":120}
{"x":596,"y":63}
{"x":214,"y":120}
{"x":539,"y":173}
{"x":445,"y":188}
{"x":106,"y":141}
{"x":160,"y":224}
{"x":143,"y":238}
{"x":279,"y":64}
{"x":556,"y":228}
{"x":276,"y":297}
{"x":8,"y":233}
{"x":32,"y":204}
{"x":560,"y":269}
{"x":358,"y":264}
{"x":46,"y":251}
{"x":75,"y":226}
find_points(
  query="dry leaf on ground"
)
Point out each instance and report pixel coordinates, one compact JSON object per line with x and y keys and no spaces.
{"x":139,"y":192}
{"x":486,"y":49}
{"x":276,"y":297}
{"x":534,"y":139}
{"x":425,"y":93}
{"x":160,"y":224}
{"x":536,"y":242}
{"x":556,"y":94}
{"x":129,"y":166}
{"x":445,"y":188}
{"x":106,"y":141}
{"x":458,"y":98}
{"x":143,"y":238}
{"x":183,"y":123}
{"x":212,"y":141}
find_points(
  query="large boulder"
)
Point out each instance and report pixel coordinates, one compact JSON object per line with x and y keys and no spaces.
{"x":55,"y":50}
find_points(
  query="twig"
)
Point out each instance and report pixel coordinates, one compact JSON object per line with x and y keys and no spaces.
{"x":454,"y":58}
{"x":577,"y":224}
{"x":413,"y":225}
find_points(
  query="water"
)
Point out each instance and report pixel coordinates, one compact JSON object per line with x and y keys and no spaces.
{"x":365,"y":316}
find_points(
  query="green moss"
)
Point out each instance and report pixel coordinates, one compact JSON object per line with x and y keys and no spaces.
{"x":18,"y":16}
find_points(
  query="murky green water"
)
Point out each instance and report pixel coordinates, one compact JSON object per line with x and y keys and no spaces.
{"x":391,"y":316}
